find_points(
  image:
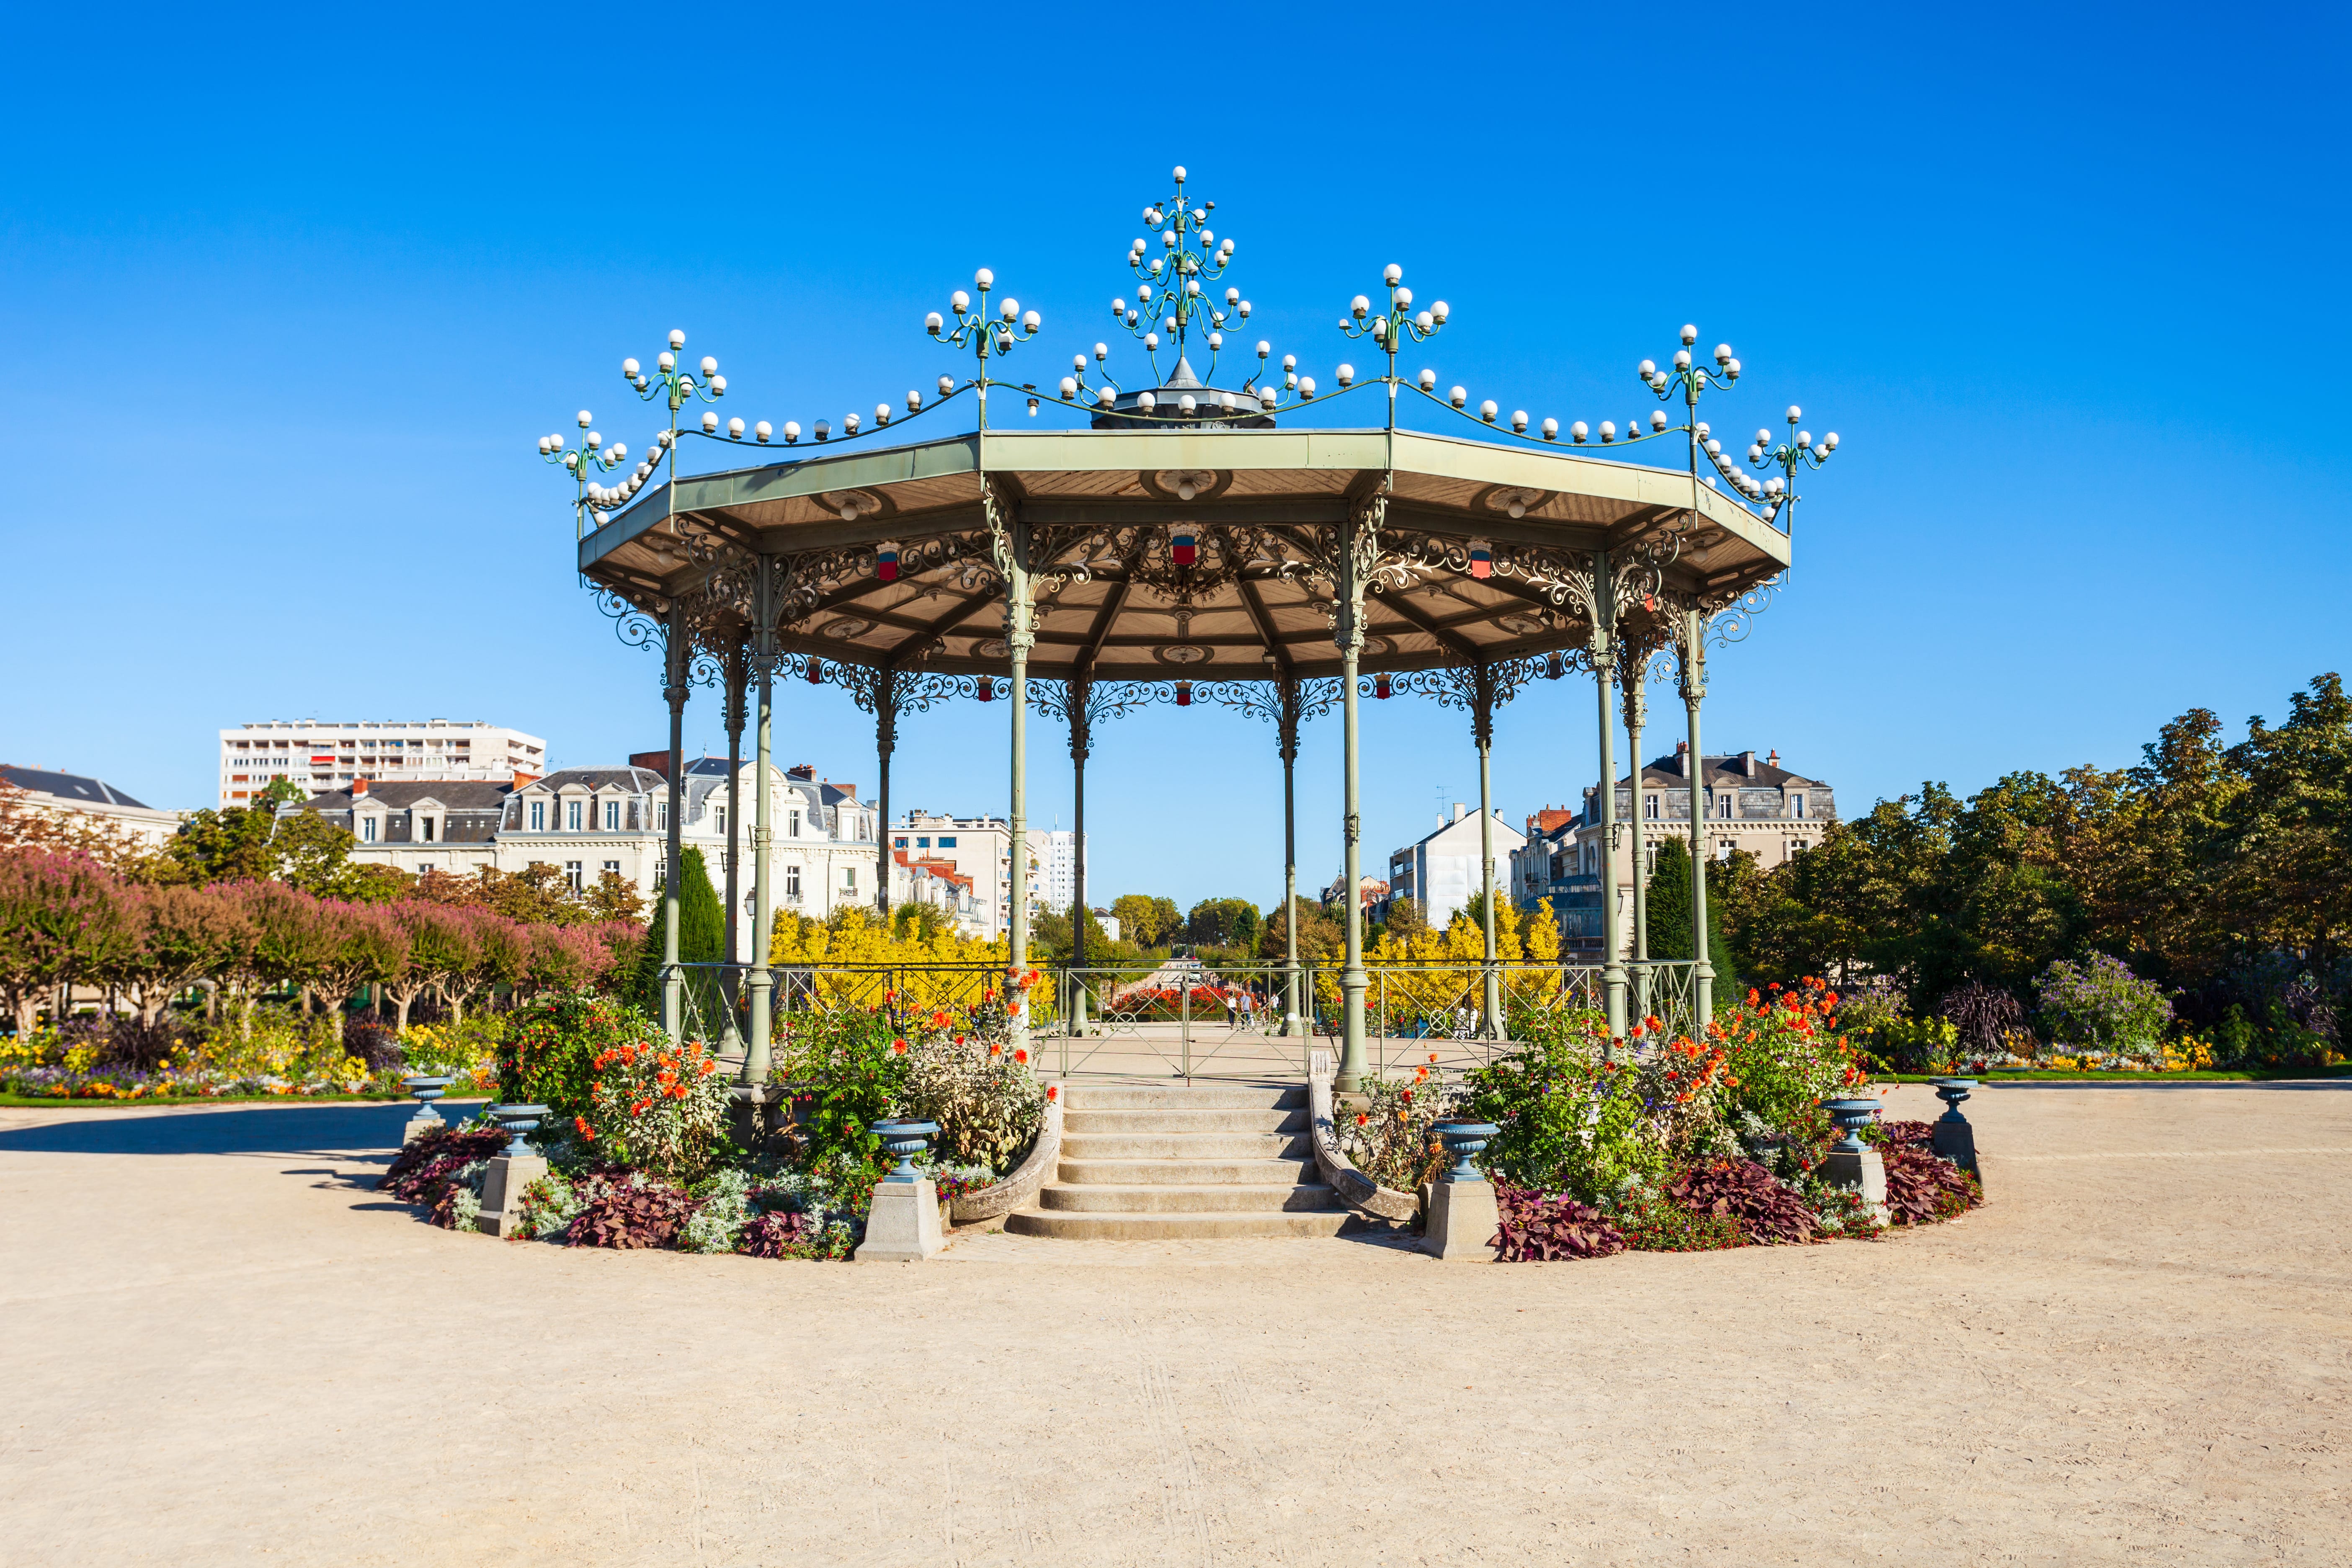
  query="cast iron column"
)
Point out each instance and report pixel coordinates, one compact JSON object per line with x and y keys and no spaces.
{"x":737,"y":673}
{"x":673,"y":691}
{"x":1694,"y":683}
{"x":761,"y":983}
{"x":1287,"y":721}
{"x":1481,"y":729}
{"x":885,"y":740}
{"x":1077,"y":698}
{"x":1604,"y":662}
{"x":1632,"y":672}
{"x":1013,"y":557}
{"x":1356,"y":552}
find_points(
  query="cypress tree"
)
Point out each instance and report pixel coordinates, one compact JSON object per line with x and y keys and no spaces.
{"x":1670,"y":916}
{"x":701,"y":930}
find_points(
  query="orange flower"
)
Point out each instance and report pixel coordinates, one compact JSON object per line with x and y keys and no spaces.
{"x":1022,"y":1056}
{"x":1053,"y":1091}
{"x":1361,"y":1118}
{"x":939,"y":1020}
{"x":582,"y":1123}
{"x":899,"y":1046}
{"x":995,"y":1048}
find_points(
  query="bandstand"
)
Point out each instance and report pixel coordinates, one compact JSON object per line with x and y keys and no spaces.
{"x":1193,"y":542}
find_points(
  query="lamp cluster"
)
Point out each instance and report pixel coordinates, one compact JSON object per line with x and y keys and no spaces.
{"x":1168,"y":297}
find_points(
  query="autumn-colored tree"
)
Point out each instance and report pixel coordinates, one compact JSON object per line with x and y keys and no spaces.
{"x":62,"y":919}
{"x":185,"y":935}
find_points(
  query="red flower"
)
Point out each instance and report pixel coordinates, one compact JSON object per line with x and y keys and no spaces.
{"x":585,"y":1131}
{"x":939,"y":1020}
{"x":1361,"y":1118}
{"x":1022,"y":1056}
{"x":995,"y":1051}
{"x":899,"y":1046}
{"x":1053,"y":1091}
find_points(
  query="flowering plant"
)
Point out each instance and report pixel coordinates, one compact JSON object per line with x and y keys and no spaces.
{"x":1393,"y":1138}
{"x":981,"y":1092}
{"x":2100,"y":1005}
{"x":546,"y":1054}
{"x":1783,"y":1054}
{"x":655,"y":1106}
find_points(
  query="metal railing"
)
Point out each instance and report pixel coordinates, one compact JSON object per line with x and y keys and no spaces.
{"x":1185,"y":1017}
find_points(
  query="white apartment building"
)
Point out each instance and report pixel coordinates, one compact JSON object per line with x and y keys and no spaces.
{"x":978,"y":847}
{"x":1057,"y":867}
{"x":591,"y":821}
{"x":318,"y":756}
{"x":1441,"y":872}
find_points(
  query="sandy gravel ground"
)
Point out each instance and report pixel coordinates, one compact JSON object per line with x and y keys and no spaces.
{"x":221,"y":1348}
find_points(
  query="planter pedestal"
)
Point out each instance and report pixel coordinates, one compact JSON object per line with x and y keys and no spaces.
{"x":502,"y":1189}
{"x":903,"y":1226}
{"x":1462,"y":1222}
{"x":1863,"y":1172}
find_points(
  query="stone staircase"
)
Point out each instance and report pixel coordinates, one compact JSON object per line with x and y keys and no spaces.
{"x":1139,"y":1162}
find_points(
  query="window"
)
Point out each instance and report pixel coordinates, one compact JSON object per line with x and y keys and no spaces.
{"x":793,"y":883}
{"x":611,"y":816}
{"x":948,"y":843}
{"x":572,"y":874}
{"x":572,"y":816}
{"x":1799,"y":846}
{"x":612,"y":867}
{"x":791,"y":825}
{"x":1650,"y":863}
{"x":538,"y":816}
{"x":901,"y":844}
{"x":1723,"y":805}
{"x":367,"y":829}
{"x":1796,"y":805}
{"x":722,"y":820}
{"x":1650,"y":807}
{"x":849,"y":878}
{"x":424,"y":825}
{"x":661,"y":816}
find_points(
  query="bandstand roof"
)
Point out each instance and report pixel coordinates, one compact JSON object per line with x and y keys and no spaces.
{"x":1103,"y":508}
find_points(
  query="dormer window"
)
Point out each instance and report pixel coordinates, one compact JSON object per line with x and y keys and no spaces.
{"x":611,"y":816}
{"x":367,"y":829}
{"x":572,"y":816}
{"x":1650,"y":807}
{"x":538,"y":816}
{"x":1796,"y":805}
{"x":425,"y":828}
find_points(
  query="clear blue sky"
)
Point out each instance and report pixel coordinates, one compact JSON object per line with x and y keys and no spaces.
{"x":288,"y":298}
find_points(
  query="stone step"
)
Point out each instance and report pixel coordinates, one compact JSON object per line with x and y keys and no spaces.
{"x":1184,"y":1118}
{"x":1186,"y":1146}
{"x":1185,"y":1172}
{"x":1178,"y":1096}
{"x":1302,"y":1199}
{"x":1170,"y":1226}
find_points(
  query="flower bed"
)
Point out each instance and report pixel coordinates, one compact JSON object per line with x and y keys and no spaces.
{"x":1670,"y":1143}
{"x":637,"y":1139}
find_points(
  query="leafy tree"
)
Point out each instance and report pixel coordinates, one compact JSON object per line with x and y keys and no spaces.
{"x":1670,"y":917}
{"x":185,"y":935}
{"x":701,"y":929}
{"x":1319,"y":936}
{"x":1146,"y":921}
{"x":1220,"y":922}
{"x":2287,"y":835}
{"x":1406,"y":920}
{"x":62,"y":916}
{"x":615,"y":898}
{"x":25,"y":824}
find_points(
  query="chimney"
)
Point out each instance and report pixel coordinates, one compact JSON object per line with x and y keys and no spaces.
{"x":1682,"y":758}
{"x":359,"y":789}
{"x":652,"y":761}
{"x":805,"y":772}
{"x":522,"y":778}
{"x":1772,"y":760}
{"x":1748,"y":764}
{"x":1461,"y":810}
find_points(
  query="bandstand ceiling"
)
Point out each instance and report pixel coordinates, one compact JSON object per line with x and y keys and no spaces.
{"x":1104,"y":510}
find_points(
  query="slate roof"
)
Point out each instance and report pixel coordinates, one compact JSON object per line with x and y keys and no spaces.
{"x":637,"y":780}
{"x":69,"y":786}
{"x":1724,"y":770}
{"x":457,"y":794}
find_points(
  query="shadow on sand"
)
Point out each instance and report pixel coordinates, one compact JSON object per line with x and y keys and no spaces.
{"x":319,"y":1129}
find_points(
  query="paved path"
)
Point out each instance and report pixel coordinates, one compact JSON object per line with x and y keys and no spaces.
{"x":222,"y":1348}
